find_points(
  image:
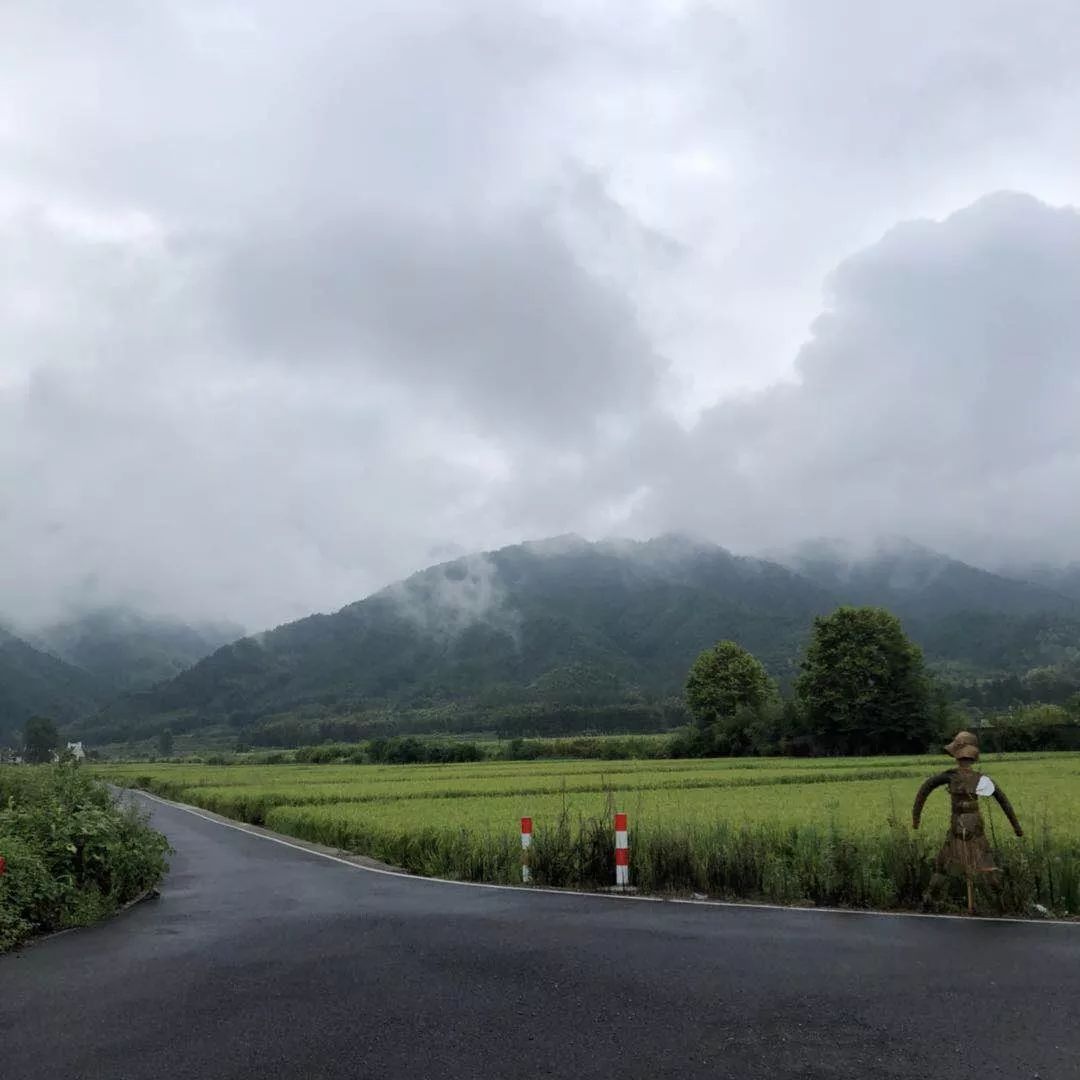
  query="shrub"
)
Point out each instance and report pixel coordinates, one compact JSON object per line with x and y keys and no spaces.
{"x":74,"y":854}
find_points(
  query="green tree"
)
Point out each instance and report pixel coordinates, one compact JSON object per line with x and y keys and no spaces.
{"x":40,"y":740}
{"x":863,"y":687}
{"x":728,"y":693}
{"x":165,"y":743}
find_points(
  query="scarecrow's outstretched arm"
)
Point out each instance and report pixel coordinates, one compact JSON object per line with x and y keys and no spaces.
{"x":920,"y":799}
{"x":1010,"y":813}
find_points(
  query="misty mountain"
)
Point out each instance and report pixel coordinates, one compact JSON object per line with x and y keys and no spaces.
{"x":550,"y":624}
{"x":131,"y":651}
{"x":33,"y":682}
{"x":917,"y":583}
{"x":971,"y":623}
{"x":564,"y":622}
{"x":1061,"y":579}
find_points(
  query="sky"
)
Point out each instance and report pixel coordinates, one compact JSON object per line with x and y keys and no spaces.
{"x":297,"y":299}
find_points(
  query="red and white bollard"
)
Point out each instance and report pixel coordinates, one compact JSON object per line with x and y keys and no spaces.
{"x":622,"y":854}
{"x":526,"y":842}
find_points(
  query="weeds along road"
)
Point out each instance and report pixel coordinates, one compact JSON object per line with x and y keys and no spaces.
{"x":259,"y":960}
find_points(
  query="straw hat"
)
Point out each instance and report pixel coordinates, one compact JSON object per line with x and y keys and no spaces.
{"x":965,"y":745}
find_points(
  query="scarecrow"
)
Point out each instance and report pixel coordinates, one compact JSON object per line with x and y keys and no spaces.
{"x":966,"y":849}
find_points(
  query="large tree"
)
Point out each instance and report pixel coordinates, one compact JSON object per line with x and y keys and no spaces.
{"x":40,"y":740}
{"x":724,"y":681}
{"x":863,"y":687}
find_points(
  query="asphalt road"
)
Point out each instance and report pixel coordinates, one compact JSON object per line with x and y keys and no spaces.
{"x":262,"y":961}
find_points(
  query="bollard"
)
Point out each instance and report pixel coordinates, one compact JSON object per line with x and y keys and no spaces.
{"x":3,"y":865}
{"x":526,"y":840}
{"x":622,"y":854}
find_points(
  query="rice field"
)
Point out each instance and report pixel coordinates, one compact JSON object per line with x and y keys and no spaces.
{"x":831,"y":830}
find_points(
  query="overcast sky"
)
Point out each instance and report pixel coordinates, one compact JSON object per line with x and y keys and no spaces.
{"x":298,"y":298}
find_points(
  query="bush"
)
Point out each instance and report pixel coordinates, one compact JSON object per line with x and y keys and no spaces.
{"x":73,"y":853}
{"x":29,"y":895}
{"x":602,"y":747}
{"x":1032,"y":727}
{"x":406,"y":750}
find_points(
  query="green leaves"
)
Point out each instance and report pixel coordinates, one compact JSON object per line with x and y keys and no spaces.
{"x":734,"y":703}
{"x":73,"y":853}
{"x":863,"y":686}
{"x":725,"y":679}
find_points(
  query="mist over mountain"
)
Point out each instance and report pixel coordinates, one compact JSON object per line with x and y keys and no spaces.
{"x":1061,"y":579}
{"x":565,"y":624}
{"x":871,"y":427}
{"x":916,"y":582}
{"x":69,"y":669}
{"x":129,"y":650}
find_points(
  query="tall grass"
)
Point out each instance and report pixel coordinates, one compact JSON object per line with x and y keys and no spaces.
{"x":768,"y":862}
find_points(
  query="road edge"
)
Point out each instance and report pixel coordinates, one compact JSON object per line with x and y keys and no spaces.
{"x":373,"y":866}
{"x":40,"y":939}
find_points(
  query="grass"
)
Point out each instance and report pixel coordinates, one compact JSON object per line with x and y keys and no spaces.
{"x":826,"y":831}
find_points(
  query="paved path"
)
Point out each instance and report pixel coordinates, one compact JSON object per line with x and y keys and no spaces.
{"x":262,"y":961}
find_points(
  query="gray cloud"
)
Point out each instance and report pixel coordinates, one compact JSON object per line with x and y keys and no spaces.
{"x":293,"y":302}
{"x":499,"y":317}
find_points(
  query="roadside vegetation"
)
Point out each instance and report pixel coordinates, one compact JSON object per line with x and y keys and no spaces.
{"x":72,"y":854}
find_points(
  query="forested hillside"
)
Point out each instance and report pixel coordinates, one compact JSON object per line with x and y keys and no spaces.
{"x":568,"y":630}
{"x":33,"y":682}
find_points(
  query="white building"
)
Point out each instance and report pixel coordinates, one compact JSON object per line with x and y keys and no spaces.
{"x":76,"y":750}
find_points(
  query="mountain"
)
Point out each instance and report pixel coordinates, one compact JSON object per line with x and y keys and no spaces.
{"x":129,"y":650}
{"x":917,"y":583}
{"x":560,"y":624}
{"x":33,"y":682}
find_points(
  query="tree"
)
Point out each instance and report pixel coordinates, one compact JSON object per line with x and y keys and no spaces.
{"x":726,"y":681}
{"x":40,"y":740}
{"x":165,"y":742}
{"x":863,"y":687}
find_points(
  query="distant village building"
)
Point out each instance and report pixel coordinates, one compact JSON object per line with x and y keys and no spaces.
{"x":76,"y":750}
